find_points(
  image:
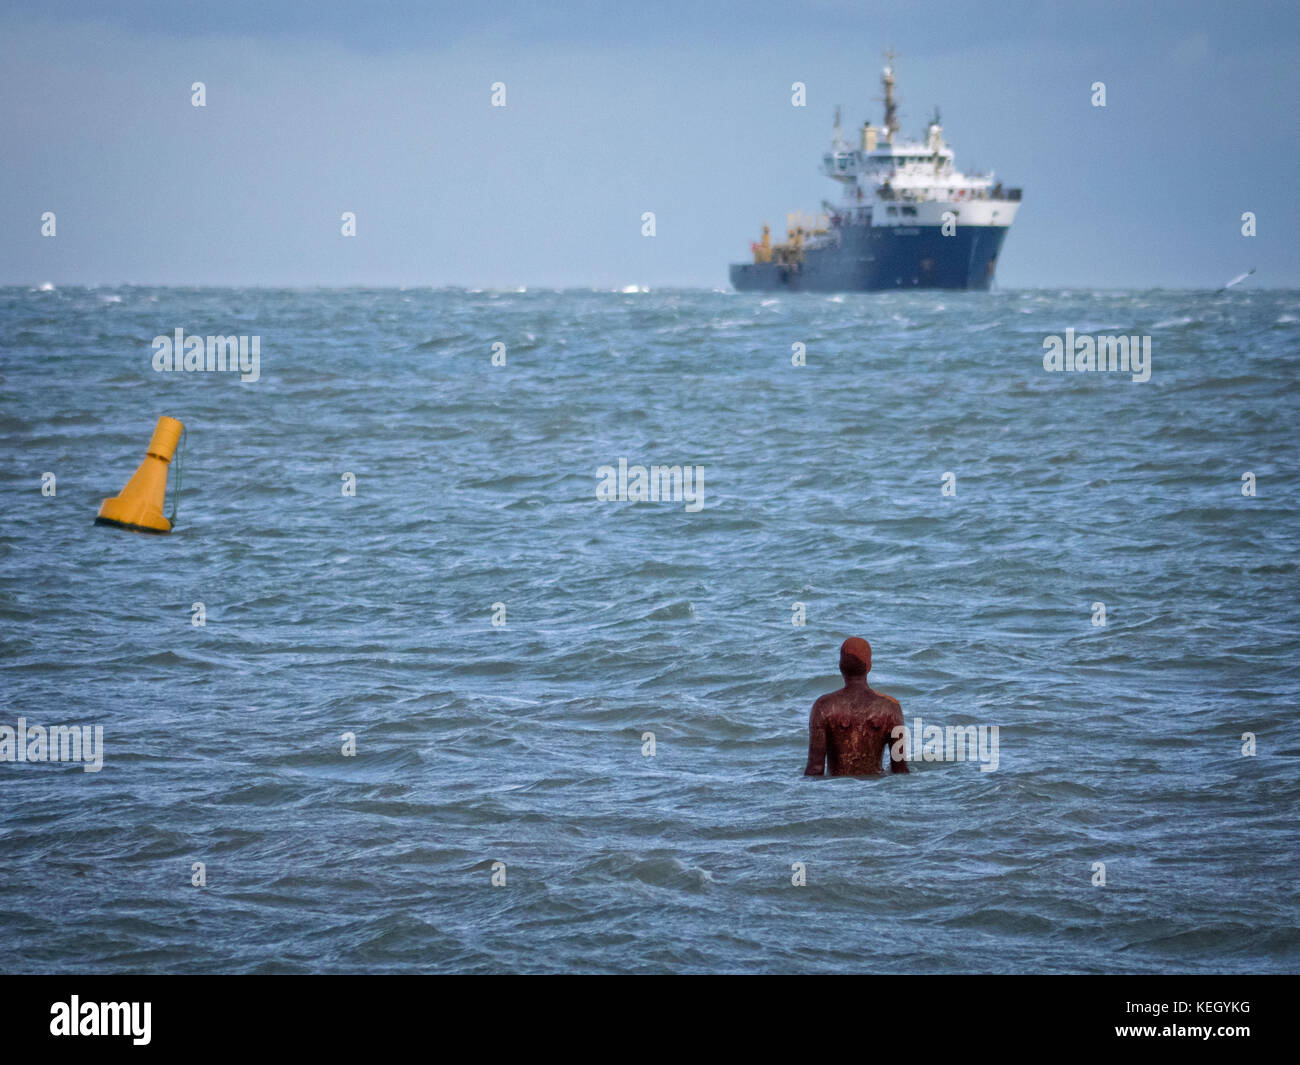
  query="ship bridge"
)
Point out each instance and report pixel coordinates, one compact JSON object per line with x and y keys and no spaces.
{"x":914,"y":171}
{"x":884,"y":167}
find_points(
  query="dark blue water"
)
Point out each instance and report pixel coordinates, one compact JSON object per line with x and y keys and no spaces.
{"x":522,"y":743}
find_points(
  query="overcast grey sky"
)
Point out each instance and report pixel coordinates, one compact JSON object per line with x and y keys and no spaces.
{"x":683,"y":109}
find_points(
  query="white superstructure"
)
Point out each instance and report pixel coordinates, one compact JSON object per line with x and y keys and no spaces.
{"x":892,"y":181}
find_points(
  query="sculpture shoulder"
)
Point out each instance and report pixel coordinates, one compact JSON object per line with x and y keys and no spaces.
{"x":823,"y":703}
{"x":889,"y":703}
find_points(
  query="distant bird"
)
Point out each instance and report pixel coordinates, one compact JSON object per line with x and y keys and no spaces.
{"x":1237,"y":280}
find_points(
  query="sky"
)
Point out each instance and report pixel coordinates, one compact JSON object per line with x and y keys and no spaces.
{"x":616,"y":109}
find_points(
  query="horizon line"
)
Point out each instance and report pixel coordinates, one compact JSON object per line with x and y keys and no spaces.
{"x":625,"y":290}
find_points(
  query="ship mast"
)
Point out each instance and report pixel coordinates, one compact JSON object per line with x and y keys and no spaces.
{"x":891,"y":107}
{"x":838,"y":143}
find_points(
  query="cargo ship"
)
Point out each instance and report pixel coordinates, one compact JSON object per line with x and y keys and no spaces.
{"x":907,"y":218}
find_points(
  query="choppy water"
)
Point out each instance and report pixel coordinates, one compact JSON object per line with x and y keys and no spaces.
{"x":476,"y":485}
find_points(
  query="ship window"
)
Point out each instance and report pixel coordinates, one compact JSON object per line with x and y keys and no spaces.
{"x":892,"y":210}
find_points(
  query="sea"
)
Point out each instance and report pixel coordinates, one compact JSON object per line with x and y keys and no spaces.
{"x":424,"y":680}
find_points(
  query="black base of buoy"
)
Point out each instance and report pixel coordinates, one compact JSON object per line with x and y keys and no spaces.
{"x":132,"y":528}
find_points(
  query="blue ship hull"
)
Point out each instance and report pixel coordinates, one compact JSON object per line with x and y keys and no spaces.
{"x":874,"y":258}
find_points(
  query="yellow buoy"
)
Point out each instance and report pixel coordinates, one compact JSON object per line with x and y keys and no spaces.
{"x":140,"y":504}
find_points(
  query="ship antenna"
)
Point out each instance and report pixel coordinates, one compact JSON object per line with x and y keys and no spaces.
{"x":891,"y":108}
{"x":837,"y":137}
